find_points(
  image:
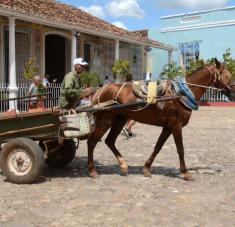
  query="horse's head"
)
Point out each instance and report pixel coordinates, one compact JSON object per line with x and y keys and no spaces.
{"x":230,"y":92}
{"x":220,"y":78}
{"x":222,"y":75}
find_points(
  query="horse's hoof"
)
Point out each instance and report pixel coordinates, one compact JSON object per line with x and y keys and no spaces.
{"x":94,"y":174}
{"x":188,"y":177}
{"x":124,"y":171}
{"x":147,"y":172}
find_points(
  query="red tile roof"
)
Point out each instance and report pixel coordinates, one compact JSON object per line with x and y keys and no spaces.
{"x":54,"y":11}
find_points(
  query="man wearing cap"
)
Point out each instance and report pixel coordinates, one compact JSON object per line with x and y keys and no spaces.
{"x":71,"y":90}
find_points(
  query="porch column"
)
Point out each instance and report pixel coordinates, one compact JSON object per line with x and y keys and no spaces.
{"x":148,"y":66}
{"x":116,"y":49}
{"x":169,"y":56}
{"x":12,"y":64}
{"x":143,"y":64}
{"x":73,"y":47}
{"x":1,"y":55}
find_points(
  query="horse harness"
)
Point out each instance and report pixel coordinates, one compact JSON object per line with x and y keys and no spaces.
{"x":151,"y":91}
{"x":109,"y":102}
{"x":146,"y":92}
{"x":217,"y":78}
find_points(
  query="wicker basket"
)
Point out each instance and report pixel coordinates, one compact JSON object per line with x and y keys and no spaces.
{"x":77,"y":125}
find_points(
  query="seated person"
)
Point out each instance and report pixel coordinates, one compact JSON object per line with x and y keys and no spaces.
{"x":33,"y":90}
{"x":45,"y":80}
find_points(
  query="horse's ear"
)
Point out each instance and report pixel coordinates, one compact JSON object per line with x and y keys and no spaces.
{"x":218,"y":64}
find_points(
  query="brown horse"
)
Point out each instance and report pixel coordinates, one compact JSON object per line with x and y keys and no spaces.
{"x":172,"y":117}
{"x":230,"y":92}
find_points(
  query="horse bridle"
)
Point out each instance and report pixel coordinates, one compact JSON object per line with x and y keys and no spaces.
{"x":215,"y":77}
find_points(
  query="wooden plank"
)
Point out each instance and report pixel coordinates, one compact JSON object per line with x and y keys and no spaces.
{"x":27,"y":129}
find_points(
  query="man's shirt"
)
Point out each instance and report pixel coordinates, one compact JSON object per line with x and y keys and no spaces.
{"x":70,"y":88}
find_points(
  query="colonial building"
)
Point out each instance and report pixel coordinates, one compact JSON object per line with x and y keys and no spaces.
{"x":203,"y":34}
{"x":55,"y":33}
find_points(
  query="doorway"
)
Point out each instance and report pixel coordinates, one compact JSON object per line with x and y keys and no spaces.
{"x":55,"y":57}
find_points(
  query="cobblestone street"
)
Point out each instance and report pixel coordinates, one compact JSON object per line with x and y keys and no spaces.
{"x":68,"y":197}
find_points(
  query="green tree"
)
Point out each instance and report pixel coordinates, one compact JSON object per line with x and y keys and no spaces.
{"x":120,"y":69}
{"x":171,"y":71}
{"x":89,"y":79}
{"x":229,"y":62}
{"x":193,"y":65}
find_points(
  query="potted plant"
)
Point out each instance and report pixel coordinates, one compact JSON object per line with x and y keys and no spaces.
{"x":30,"y":69}
{"x":120,"y":69}
{"x":29,"y":74}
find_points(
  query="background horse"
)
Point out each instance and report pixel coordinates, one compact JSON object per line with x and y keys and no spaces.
{"x":172,"y":117}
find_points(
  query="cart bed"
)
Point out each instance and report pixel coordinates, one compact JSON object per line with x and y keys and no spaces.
{"x":37,"y":125}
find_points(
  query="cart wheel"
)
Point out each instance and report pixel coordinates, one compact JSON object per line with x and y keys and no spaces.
{"x":22,"y":161}
{"x":63,"y":155}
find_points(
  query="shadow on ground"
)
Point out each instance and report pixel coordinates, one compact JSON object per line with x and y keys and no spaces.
{"x":78,"y":168}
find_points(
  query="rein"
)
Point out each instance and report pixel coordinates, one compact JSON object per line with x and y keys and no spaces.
{"x":216,"y":78}
{"x":197,"y":85}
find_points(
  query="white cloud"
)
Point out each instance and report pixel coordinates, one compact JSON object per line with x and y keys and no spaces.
{"x":120,"y":25}
{"x":95,"y":10}
{"x":118,"y":8}
{"x":191,"y":4}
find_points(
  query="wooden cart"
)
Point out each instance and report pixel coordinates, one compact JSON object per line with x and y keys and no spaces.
{"x":29,"y":140}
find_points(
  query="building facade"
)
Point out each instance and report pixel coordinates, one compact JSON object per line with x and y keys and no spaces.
{"x":54,"y":34}
{"x":197,"y":35}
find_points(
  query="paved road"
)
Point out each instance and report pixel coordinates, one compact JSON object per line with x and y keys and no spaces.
{"x":69,"y":197}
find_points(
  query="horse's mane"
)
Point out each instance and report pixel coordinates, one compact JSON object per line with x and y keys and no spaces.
{"x":196,"y":70}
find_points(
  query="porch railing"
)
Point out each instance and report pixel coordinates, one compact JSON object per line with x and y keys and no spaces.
{"x":214,"y":96}
{"x":54,"y":93}
{"x":23,"y":104}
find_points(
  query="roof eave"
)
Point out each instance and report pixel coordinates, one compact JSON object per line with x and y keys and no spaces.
{"x":5,"y":11}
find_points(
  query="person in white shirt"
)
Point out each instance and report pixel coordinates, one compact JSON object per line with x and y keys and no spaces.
{"x":45,"y":80}
{"x":33,"y":91}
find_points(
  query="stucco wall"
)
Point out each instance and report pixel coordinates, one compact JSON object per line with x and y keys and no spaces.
{"x":108,"y":59}
{"x":214,"y":40}
{"x":137,"y":64}
{"x":38,"y":52}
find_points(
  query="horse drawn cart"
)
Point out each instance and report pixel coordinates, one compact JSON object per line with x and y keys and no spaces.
{"x":29,"y":140}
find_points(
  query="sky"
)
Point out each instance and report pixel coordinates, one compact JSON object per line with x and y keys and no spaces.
{"x":143,"y":14}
